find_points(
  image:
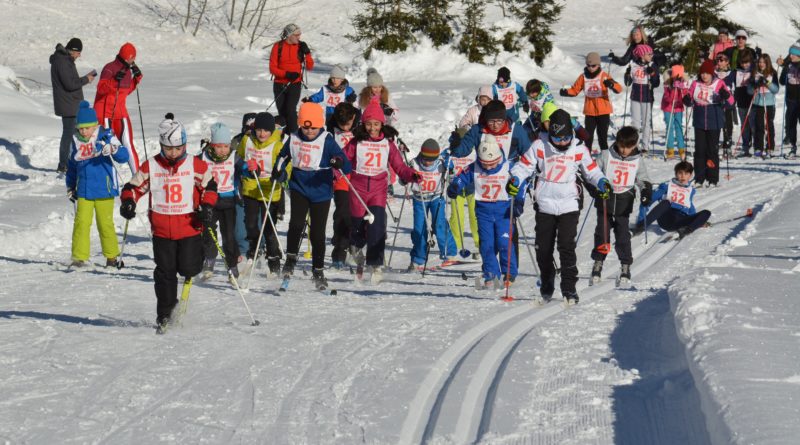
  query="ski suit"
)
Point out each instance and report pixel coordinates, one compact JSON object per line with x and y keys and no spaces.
{"x":110,"y":103}
{"x":427,"y":198}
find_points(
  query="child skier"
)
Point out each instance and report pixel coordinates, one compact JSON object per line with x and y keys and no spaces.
{"x":314,"y":154}
{"x":259,"y":150}
{"x":375,"y":89}
{"x":540,"y":99}
{"x":226,"y":168}
{"x":642,"y":74}
{"x":790,"y":77}
{"x":510,"y":93}
{"x":625,"y":166}
{"x":372,"y":152}
{"x":470,"y":118}
{"x":92,"y":183}
{"x":672,"y":107}
{"x":595,"y":84}
{"x":708,"y":96}
{"x":739,"y":80}
{"x":341,"y":125}
{"x":556,"y":162}
{"x":182,"y":197}
{"x":764,"y":84}
{"x":337,"y":91}
{"x":493,"y":210}
{"x":248,"y":119}
{"x":675,"y":209}
{"x":427,"y":198}
{"x":722,"y":71}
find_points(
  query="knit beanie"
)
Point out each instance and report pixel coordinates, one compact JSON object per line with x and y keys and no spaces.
{"x":171,"y":132}
{"x":593,"y":59}
{"x":248,"y":120}
{"x":504,"y":75}
{"x":495,"y":109}
{"x":794,"y":50}
{"x":220,"y":134}
{"x":374,"y":112}
{"x":264,"y":121}
{"x":430,"y":149}
{"x":75,"y":44}
{"x":127,"y":51}
{"x":311,"y":115}
{"x":641,"y":50}
{"x":677,"y":71}
{"x":373,"y":78}
{"x":290,"y":29}
{"x":86,"y":115}
{"x":338,"y":72}
{"x":489,"y":150}
{"x":707,"y":67}
{"x":560,"y":124}
{"x":485,"y":90}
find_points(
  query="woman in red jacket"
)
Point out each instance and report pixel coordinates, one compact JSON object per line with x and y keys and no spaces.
{"x":289,"y":58}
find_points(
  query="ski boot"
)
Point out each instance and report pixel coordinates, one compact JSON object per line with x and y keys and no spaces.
{"x":338,"y":264}
{"x":670,"y":154}
{"x":274,"y":265}
{"x":682,"y":154}
{"x":638,"y":229}
{"x":320,"y":282}
{"x":162,"y":323}
{"x":288,"y":266}
{"x":597,"y":271}
{"x":357,"y":256}
{"x":112,"y":263}
{"x":624,"y":275}
{"x":543,"y":298}
{"x":792,"y":153}
{"x":683,"y":232}
{"x":377,"y":275}
{"x":571,"y":298}
{"x":208,"y":269}
{"x":78,"y":264}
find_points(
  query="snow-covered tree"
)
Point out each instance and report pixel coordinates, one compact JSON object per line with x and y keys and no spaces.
{"x":538,"y":16}
{"x":385,"y":25}
{"x":433,"y":20}
{"x":476,"y":39}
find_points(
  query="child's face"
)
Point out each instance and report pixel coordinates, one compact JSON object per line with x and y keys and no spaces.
{"x":347,"y":125}
{"x":373,"y":128}
{"x":722,"y":63}
{"x":746,"y":66}
{"x":484,"y":100}
{"x":794,"y":58}
{"x":221,"y":150}
{"x":427,"y":162}
{"x":87,"y":132}
{"x":262,"y":135}
{"x":683,"y":177}
{"x":705,"y":77}
{"x":593,"y":68}
{"x":310,"y":132}
{"x":376,"y":91}
{"x":335,"y":82}
{"x":647,"y":57}
{"x":762,"y":64}
{"x":173,"y":153}
{"x":625,"y":151}
{"x":637,"y":35}
{"x":495,"y":124}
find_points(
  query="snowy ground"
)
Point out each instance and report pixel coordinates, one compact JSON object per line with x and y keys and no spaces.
{"x":704,"y":348}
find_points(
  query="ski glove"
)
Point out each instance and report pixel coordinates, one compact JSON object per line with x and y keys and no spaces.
{"x":128,"y":209}
{"x":611,"y":55}
{"x":211,"y":186}
{"x":563,"y":92}
{"x":291,"y":75}
{"x":387,"y":110}
{"x":687,"y":101}
{"x":337,"y":162}
{"x":519,"y":208}
{"x":452,"y":191}
{"x":304,"y":48}
{"x":71,"y":195}
{"x":526,"y":107}
{"x":351,"y":97}
{"x":416,"y":177}
{"x":604,"y":188}
{"x":120,"y":75}
{"x":650,"y":71}
{"x":647,"y":194}
{"x":254,"y":168}
{"x":305,"y":99}
{"x":136,"y":71}
{"x":455,"y":139}
{"x":724,"y":95}
{"x":279,"y":175}
{"x":512,"y":186}
{"x":628,"y":78}
{"x":609,"y":83}
{"x":207,"y":215}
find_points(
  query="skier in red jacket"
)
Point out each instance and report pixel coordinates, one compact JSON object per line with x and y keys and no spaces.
{"x":289,"y":58}
{"x":118,"y":79}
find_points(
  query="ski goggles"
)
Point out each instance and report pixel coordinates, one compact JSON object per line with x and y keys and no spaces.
{"x":561,"y":138}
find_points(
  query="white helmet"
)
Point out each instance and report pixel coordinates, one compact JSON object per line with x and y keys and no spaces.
{"x":489,"y":152}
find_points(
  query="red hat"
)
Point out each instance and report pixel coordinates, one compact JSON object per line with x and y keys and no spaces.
{"x":127,"y":51}
{"x":707,"y":67}
{"x":373,"y":112}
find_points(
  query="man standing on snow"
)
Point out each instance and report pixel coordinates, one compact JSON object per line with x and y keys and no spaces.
{"x":289,"y":58}
{"x":67,"y":92}
{"x":117,"y":80}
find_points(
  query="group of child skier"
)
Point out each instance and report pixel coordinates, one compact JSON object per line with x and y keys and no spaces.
{"x":347,"y":150}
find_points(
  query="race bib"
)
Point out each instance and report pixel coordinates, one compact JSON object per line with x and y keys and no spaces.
{"x":742,"y":77}
{"x":332,"y":99}
{"x":508,"y":96}
{"x":639,"y":74}
{"x":504,"y":140}
{"x":681,"y":196}
{"x":372,"y":158}
{"x":172,"y":194}
{"x":428,"y":183}
{"x":262,"y":157}
{"x":85,"y":150}
{"x":702,"y":93}
{"x":342,"y":137}
{"x":491,"y":187}
{"x":222,"y":172}
{"x":307,"y":155}
{"x":623,"y":174}
{"x":461,"y":164}
{"x":558,"y":167}
{"x":592,"y":88}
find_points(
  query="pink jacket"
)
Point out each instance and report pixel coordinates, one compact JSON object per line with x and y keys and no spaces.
{"x":372,"y":189}
{"x":672,"y":101}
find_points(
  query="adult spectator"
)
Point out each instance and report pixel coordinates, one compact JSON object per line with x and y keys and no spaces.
{"x":736,"y":51}
{"x":118,"y":79}
{"x":638,"y":36}
{"x":723,"y":42}
{"x":289,"y":58}
{"x":67,"y":93}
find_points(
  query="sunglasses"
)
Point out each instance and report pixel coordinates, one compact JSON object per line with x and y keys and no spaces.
{"x":741,"y":38}
{"x":722,"y":59}
{"x":592,"y":66}
{"x":561,"y":139}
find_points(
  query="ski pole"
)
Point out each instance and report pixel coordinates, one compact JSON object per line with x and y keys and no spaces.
{"x":605,"y":248}
{"x":120,"y":263}
{"x":307,"y":255}
{"x":521,"y":230}
{"x":369,"y":216}
{"x":509,"y":246}
{"x":397,"y":226}
{"x":233,"y":279}
{"x":783,"y":123}
{"x":744,"y":123}
{"x":141,"y":121}
{"x":279,"y":95}
{"x":430,"y":233}
{"x":261,"y":231}
{"x":747,"y":214}
{"x":588,"y":209}
{"x":391,"y":213}
{"x":269,"y":216}
{"x":464,"y":253}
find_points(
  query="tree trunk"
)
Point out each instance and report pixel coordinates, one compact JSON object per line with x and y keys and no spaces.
{"x":244,"y":13}
{"x":258,"y":22}
{"x":233,"y":10}
{"x":200,"y":18}
{"x":188,"y":14}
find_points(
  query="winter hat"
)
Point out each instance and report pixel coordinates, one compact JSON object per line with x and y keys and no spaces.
{"x":794,"y":50}
{"x":311,"y":115}
{"x":220,"y":134}
{"x":171,"y":132}
{"x":264,"y":121}
{"x":641,"y":50}
{"x":373,"y":112}
{"x":489,"y":151}
{"x":75,"y":44}
{"x":504,"y":74}
{"x":723,"y":31}
{"x":495,"y":109}
{"x":560,"y":124}
{"x":290,"y":29}
{"x":677,"y":71}
{"x":707,"y":67}
{"x":485,"y":90}
{"x":593,"y":58}
{"x":430,"y":149}
{"x":338,"y":72}
{"x":248,"y":120}
{"x":741,"y":33}
{"x":86,"y":115}
{"x":127,"y":51}
{"x":373,"y":78}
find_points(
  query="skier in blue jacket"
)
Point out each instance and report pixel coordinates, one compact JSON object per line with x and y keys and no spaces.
{"x":337,"y":91}
{"x":511,"y":94}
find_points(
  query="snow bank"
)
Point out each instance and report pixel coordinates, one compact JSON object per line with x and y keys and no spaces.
{"x":22,"y":116}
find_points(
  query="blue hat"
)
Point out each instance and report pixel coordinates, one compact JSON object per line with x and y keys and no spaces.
{"x":220,"y":134}
{"x":86,"y":115}
{"x":794,"y":50}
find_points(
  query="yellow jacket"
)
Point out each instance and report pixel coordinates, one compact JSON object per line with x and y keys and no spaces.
{"x":246,"y":149}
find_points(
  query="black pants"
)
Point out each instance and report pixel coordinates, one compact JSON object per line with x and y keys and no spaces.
{"x":318,"y":216}
{"x":372,"y":235}
{"x":671,"y":219}
{"x":286,"y":99}
{"x":706,"y":155}
{"x":341,"y":225}
{"x":552,"y":230}
{"x":225,"y":214}
{"x":64,"y":147}
{"x":622,"y":236}
{"x":792,"y":120}
{"x":182,"y":257}
{"x":600,"y":124}
{"x":761,"y":125}
{"x":253,"y":209}
{"x":727,"y":132}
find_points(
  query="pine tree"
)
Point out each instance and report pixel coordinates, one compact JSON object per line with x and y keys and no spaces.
{"x":537,"y":18}
{"x":433,"y":20}
{"x":385,"y":25}
{"x":681,"y":28}
{"x":476,"y":40}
